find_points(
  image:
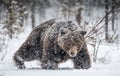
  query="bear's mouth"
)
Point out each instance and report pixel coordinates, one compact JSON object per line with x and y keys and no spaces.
{"x":73,"y":52}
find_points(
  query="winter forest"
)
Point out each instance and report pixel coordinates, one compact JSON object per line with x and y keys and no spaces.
{"x":100,"y":18}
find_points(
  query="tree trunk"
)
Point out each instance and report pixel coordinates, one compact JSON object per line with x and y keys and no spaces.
{"x":79,"y":17}
{"x":113,"y":15}
{"x":106,"y":20}
{"x":32,"y":14}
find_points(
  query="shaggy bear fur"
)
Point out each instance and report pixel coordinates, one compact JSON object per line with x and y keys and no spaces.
{"x":31,"y":49}
{"x":52,"y":43}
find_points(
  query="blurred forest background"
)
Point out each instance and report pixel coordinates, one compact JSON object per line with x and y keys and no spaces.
{"x":100,"y":18}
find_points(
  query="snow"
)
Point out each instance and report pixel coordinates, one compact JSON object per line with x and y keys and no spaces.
{"x":60,"y":73}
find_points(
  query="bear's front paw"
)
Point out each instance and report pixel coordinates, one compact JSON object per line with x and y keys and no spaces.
{"x":82,"y":66}
{"x":77,"y":67}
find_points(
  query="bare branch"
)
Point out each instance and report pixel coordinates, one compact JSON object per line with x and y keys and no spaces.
{"x":115,"y":6}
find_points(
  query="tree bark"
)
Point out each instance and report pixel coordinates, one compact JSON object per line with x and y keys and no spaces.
{"x":78,"y":17}
{"x":113,"y":15}
{"x":106,"y":20}
{"x":32,"y":14}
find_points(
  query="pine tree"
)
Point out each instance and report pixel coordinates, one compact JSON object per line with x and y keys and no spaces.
{"x":15,"y":17}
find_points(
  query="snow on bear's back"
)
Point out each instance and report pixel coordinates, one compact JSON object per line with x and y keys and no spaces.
{"x":62,"y":25}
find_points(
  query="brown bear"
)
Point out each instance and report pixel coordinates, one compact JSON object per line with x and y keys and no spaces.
{"x":56,"y":42}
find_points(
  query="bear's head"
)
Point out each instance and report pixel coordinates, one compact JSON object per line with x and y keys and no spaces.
{"x":71,"y":41}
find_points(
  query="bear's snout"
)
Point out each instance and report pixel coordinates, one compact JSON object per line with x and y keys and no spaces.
{"x":73,"y":52}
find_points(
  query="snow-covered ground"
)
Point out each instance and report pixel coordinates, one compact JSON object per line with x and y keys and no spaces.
{"x":60,"y":73}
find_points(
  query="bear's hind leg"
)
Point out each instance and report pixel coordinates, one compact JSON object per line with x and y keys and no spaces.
{"x":19,"y":62}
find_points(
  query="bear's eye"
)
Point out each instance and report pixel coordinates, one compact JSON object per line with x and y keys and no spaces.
{"x":63,"y":32}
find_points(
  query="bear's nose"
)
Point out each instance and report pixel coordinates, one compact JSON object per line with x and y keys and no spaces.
{"x":72,"y":54}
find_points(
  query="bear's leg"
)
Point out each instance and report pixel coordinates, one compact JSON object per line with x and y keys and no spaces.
{"x":82,"y":60}
{"x":19,"y":62}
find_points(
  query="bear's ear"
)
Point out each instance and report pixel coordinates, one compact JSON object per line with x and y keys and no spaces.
{"x":83,"y":32}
